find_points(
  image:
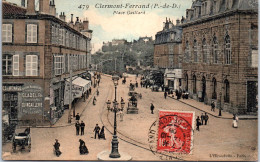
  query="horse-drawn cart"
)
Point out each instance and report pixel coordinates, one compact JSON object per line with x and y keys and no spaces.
{"x":23,"y":140}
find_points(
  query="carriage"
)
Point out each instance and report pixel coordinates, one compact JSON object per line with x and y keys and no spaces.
{"x":132,"y":105}
{"x":22,"y":140}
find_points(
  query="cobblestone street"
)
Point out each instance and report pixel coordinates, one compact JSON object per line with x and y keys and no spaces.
{"x":216,"y":141}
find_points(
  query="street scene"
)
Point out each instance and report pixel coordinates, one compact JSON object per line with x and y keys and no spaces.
{"x":172,"y":81}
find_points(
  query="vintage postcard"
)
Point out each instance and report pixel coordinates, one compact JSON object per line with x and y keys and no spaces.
{"x":141,"y":80}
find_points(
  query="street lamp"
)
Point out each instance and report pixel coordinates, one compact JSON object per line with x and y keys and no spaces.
{"x":114,"y":153}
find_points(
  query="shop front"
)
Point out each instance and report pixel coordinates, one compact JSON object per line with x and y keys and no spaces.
{"x":22,"y":103}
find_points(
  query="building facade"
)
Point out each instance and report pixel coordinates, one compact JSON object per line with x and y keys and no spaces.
{"x":167,"y":53}
{"x":39,"y":51}
{"x":220,"y":49}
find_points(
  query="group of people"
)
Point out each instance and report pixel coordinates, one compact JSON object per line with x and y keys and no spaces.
{"x":99,"y":133}
{"x":81,"y":127}
{"x":82,"y":148}
{"x":202,"y":120}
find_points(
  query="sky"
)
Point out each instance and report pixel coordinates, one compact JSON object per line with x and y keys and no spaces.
{"x":108,"y":25}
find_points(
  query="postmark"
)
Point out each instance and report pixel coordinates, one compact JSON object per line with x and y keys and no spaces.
{"x":171,"y":136}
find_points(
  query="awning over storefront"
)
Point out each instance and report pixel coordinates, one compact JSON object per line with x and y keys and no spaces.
{"x":79,"y":86}
{"x":86,"y":84}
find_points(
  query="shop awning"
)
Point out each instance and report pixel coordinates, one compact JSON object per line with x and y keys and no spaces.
{"x":79,"y":86}
{"x":86,"y":84}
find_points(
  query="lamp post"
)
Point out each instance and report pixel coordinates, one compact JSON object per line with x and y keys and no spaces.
{"x":114,"y":153}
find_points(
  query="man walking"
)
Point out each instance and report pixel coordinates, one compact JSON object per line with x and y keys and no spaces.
{"x":165,"y":95}
{"x":82,"y":127}
{"x":77,"y":125}
{"x":77,"y":117}
{"x":96,"y":130}
{"x":206,"y":118}
{"x":202,"y":118}
{"x":213,"y":106}
{"x":198,"y":123}
{"x":152,"y":108}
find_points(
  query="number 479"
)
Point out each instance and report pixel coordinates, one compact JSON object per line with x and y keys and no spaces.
{"x":83,"y":7}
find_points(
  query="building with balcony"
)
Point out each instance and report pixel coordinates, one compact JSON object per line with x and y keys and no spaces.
{"x":38,"y":52}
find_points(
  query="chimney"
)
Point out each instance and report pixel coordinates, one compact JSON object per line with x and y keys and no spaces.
{"x":71,"y":21}
{"x":177,"y":22}
{"x":62,"y":16}
{"x":23,"y":3}
{"x":81,"y":27}
{"x":77,"y":24}
{"x":30,"y":7}
{"x":52,"y":8}
{"x":85,"y":24}
{"x":44,"y":7}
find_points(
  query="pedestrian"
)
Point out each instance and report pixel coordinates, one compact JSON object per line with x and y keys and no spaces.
{"x":202,"y":117}
{"x":121,"y":115}
{"x":206,"y":118}
{"x":57,"y":148}
{"x":136,"y":84}
{"x":97,"y":92}
{"x":141,"y":83}
{"x":77,"y":125}
{"x":82,"y":147}
{"x":102,"y":133}
{"x":77,"y":117}
{"x":213,"y":106}
{"x":165,"y":95}
{"x":94,"y":100}
{"x":152,"y":108}
{"x":98,"y":81}
{"x":235,"y":121}
{"x":198,"y":123}
{"x":122,"y":100}
{"x":82,"y":127}
{"x":96,"y":130}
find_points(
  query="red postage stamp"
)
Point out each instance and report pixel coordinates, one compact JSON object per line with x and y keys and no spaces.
{"x":175,"y":132}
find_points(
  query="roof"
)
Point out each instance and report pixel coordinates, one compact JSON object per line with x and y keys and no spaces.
{"x":11,"y":9}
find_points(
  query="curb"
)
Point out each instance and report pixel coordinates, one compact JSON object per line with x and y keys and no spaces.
{"x":244,"y":118}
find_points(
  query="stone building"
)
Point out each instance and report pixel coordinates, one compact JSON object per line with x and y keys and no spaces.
{"x":38,"y":52}
{"x":220,"y":46}
{"x":167,"y":53}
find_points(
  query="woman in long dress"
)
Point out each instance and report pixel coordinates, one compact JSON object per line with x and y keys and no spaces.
{"x":235,"y":121}
{"x":102,"y":133}
{"x":82,"y":147}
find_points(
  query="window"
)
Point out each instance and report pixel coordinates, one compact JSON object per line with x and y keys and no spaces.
{"x":195,"y":50}
{"x":7,"y":64}
{"x":16,"y":65}
{"x":226,"y":95}
{"x":58,"y":64}
{"x":214,"y":86}
{"x":227,"y":50}
{"x":31,"y":33}
{"x":187,"y":54}
{"x":31,"y":65}
{"x":254,"y":58}
{"x":194,"y":84}
{"x":215,"y":50}
{"x":204,"y":50}
{"x":7,"y":33}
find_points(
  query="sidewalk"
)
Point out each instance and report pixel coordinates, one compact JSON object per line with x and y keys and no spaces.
{"x":206,"y":108}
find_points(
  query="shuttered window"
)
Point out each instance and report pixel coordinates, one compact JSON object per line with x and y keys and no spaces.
{"x":7,"y":33}
{"x":31,"y":65}
{"x":31,"y":33}
{"x":16,"y":65}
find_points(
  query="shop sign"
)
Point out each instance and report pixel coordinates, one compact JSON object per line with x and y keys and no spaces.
{"x":12,"y":88}
{"x":32,"y":100}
